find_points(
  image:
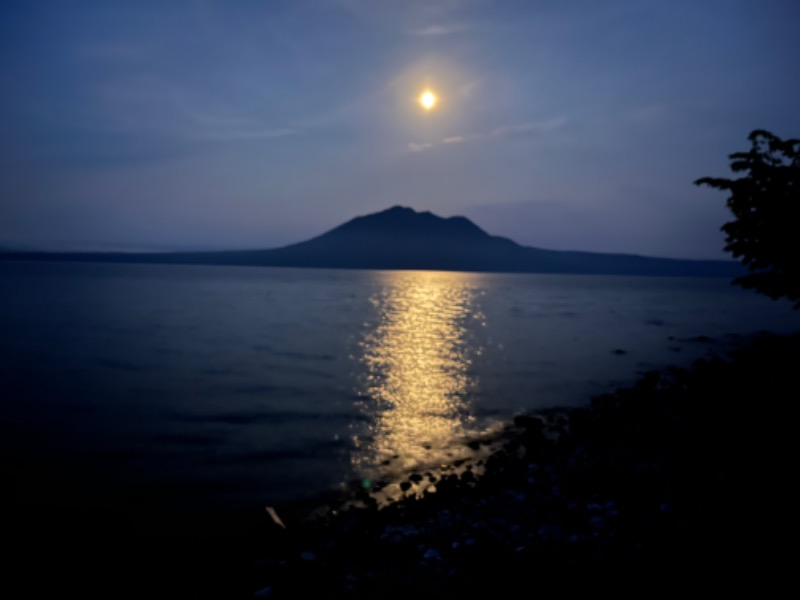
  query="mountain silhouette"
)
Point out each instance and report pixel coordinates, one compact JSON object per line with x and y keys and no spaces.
{"x":402,"y":238}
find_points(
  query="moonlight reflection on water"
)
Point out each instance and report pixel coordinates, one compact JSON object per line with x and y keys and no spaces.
{"x":417,"y":359}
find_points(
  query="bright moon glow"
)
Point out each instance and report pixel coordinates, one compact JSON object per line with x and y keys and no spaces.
{"x":427,"y":100}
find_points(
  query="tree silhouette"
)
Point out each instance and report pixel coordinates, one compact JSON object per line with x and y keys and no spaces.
{"x":766,"y":204}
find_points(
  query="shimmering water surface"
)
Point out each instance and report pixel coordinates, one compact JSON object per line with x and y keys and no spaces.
{"x":203,"y":388}
{"x":418,"y":373}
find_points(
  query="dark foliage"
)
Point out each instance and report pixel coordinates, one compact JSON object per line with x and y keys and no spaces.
{"x":766,"y":206}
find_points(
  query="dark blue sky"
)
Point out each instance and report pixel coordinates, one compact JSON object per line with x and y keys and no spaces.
{"x":208,"y":124}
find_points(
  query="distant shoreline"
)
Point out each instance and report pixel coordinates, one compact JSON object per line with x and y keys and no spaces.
{"x":401,"y":238}
{"x":698,"y":268}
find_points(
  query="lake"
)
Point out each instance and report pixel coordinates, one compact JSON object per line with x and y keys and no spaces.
{"x":209,"y":389}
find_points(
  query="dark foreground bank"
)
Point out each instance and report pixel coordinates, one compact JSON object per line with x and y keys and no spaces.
{"x":676,"y":484}
{"x":680,"y":483}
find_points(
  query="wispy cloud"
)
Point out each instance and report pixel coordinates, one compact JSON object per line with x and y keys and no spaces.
{"x":419,"y":147}
{"x":648,"y":115}
{"x":530,"y":128}
{"x":225,"y":125}
{"x":406,"y":13}
{"x":433,"y":30}
{"x":466,"y":90}
{"x":154,"y":109}
{"x":508,"y":130}
{"x":110,"y":52}
{"x":232,"y":135}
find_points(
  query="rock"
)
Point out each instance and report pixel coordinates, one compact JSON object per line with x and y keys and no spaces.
{"x":597,"y":522}
{"x":398,"y":533}
{"x":701,"y":338}
{"x":529,"y":422}
{"x":432,"y":554}
{"x":550,"y":532}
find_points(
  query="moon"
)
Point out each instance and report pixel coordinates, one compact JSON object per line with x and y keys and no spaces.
{"x":428,"y":100}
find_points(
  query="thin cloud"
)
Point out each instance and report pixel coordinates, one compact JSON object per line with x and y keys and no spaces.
{"x":114,"y":51}
{"x":551,"y":124}
{"x":249,"y":134}
{"x":466,"y":90}
{"x":227,"y":127}
{"x":521,"y":129}
{"x":648,"y":115}
{"x":504,"y":131}
{"x":419,"y":147}
{"x":158,"y":110}
{"x":434,"y":30}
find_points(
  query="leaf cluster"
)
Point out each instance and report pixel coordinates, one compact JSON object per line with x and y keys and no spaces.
{"x":765,"y":201}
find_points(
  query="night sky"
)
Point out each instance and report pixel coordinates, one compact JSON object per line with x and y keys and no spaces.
{"x":140,"y":125}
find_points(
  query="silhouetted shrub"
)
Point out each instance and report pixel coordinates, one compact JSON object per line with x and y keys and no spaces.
{"x":766,"y":204}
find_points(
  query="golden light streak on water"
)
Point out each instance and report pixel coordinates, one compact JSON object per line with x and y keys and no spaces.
{"x":418,"y":381}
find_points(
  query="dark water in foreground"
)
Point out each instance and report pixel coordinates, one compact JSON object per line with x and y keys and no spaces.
{"x":204,"y":389}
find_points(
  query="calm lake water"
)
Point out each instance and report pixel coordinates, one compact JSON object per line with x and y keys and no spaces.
{"x":186,"y":388}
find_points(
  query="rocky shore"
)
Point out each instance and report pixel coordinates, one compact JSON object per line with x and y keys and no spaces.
{"x":680,"y":482}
